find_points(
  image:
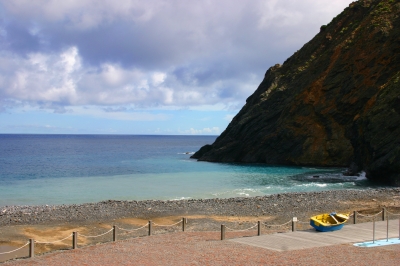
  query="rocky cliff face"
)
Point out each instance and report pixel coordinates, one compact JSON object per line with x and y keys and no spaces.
{"x":335,"y":102}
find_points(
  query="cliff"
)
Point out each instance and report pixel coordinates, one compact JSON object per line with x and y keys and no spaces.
{"x":335,"y":102}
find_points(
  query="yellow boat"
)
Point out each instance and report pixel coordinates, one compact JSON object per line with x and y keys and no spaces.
{"x":328,"y":221}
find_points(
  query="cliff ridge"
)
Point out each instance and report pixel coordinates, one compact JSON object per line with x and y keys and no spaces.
{"x":335,"y":102}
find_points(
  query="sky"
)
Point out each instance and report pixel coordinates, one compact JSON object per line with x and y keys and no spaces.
{"x":176,"y":67}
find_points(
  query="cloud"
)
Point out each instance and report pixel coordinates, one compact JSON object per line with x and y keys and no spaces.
{"x":119,"y":114}
{"x":59,"y":79}
{"x":229,"y":117}
{"x":38,"y":127}
{"x":147,"y":54}
{"x":204,"y":131}
{"x":40,"y":77}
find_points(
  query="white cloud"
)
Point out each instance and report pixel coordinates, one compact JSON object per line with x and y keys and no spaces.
{"x":207,"y":55}
{"x":118,"y":114}
{"x":127,"y":116}
{"x":112,"y":74}
{"x":158,"y":78}
{"x":274,"y":13}
{"x":60,"y":79}
{"x":41,"y":77}
{"x":204,"y":131}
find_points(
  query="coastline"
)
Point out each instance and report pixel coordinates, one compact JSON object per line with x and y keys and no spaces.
{"x":284,"y":205}
{"x":51,"y":223}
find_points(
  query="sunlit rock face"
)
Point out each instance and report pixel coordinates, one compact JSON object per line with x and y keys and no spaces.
{"x":335,"y":102}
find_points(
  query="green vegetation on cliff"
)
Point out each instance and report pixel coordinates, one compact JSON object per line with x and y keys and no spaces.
{"x":335,"y":102}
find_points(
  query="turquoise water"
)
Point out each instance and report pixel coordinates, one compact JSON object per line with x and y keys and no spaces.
{"x":69,"y":169}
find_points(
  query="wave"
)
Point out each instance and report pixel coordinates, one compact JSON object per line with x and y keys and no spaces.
{"x":361,"y":176}
{"x":242,"y":192}
{"x":182,"y":198}
{"x":313,"y":185}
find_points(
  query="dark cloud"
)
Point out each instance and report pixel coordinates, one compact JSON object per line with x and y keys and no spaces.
{"x":19,"y":39}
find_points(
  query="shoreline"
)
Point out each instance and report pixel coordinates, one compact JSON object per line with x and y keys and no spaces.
{"x":51,"y":223}
{"x":282,"y":205}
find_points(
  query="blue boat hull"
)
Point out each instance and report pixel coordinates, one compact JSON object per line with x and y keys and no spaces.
{"x":329,"y":228}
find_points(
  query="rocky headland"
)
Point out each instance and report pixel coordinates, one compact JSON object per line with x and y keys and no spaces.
{"x":335,"y":102}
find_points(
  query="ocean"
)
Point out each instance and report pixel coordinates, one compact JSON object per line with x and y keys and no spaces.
{"x":74,"y":169}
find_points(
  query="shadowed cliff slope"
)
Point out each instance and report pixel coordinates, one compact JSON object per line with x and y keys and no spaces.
{"x":335,"y":102}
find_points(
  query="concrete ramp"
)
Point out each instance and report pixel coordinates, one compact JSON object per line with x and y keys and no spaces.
{"x":350,"y":233}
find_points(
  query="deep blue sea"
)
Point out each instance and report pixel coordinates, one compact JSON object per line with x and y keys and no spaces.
{"x":68,"y":169}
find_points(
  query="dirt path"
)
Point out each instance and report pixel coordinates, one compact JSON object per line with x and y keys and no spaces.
{"x":206,"y":249}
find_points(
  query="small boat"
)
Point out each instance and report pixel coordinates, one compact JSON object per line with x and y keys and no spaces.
{"x":328,"y":221}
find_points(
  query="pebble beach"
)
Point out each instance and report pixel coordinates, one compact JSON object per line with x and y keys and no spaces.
{"x":281,"y":206}
{"x":18,"y":223}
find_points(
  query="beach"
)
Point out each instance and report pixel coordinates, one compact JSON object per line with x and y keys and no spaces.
{"x":276,"y":206}
{"x":51,"y":223}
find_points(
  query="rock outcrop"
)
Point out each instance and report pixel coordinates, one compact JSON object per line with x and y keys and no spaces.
{"x":335,"y":102}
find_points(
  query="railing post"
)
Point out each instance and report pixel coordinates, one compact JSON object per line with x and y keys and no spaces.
{"x":387,"y":229}
{"x":383,"y":213}
{"x":183,"y":224}
{"x":222,"y":231}
{"x":114,"y":233}
{"x":150,"y":228}
{"x":74,"y":240}
{"x":373,"y":232}
{"x":259,"y":228}
{"x":31,"y":248}
{"x":294,"y":220}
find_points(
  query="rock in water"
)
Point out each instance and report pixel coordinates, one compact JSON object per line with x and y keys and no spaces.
{"x":335,"y":102}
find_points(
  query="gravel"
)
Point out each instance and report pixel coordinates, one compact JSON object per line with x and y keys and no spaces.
{"x":200,"y":240}
{"x":284,"y":205}
{"x":207,"y":249}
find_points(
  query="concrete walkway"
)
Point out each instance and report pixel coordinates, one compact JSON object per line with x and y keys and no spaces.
{"x":350,"y":233}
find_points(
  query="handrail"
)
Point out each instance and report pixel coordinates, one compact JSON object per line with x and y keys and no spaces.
{"x":32,"y":242}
